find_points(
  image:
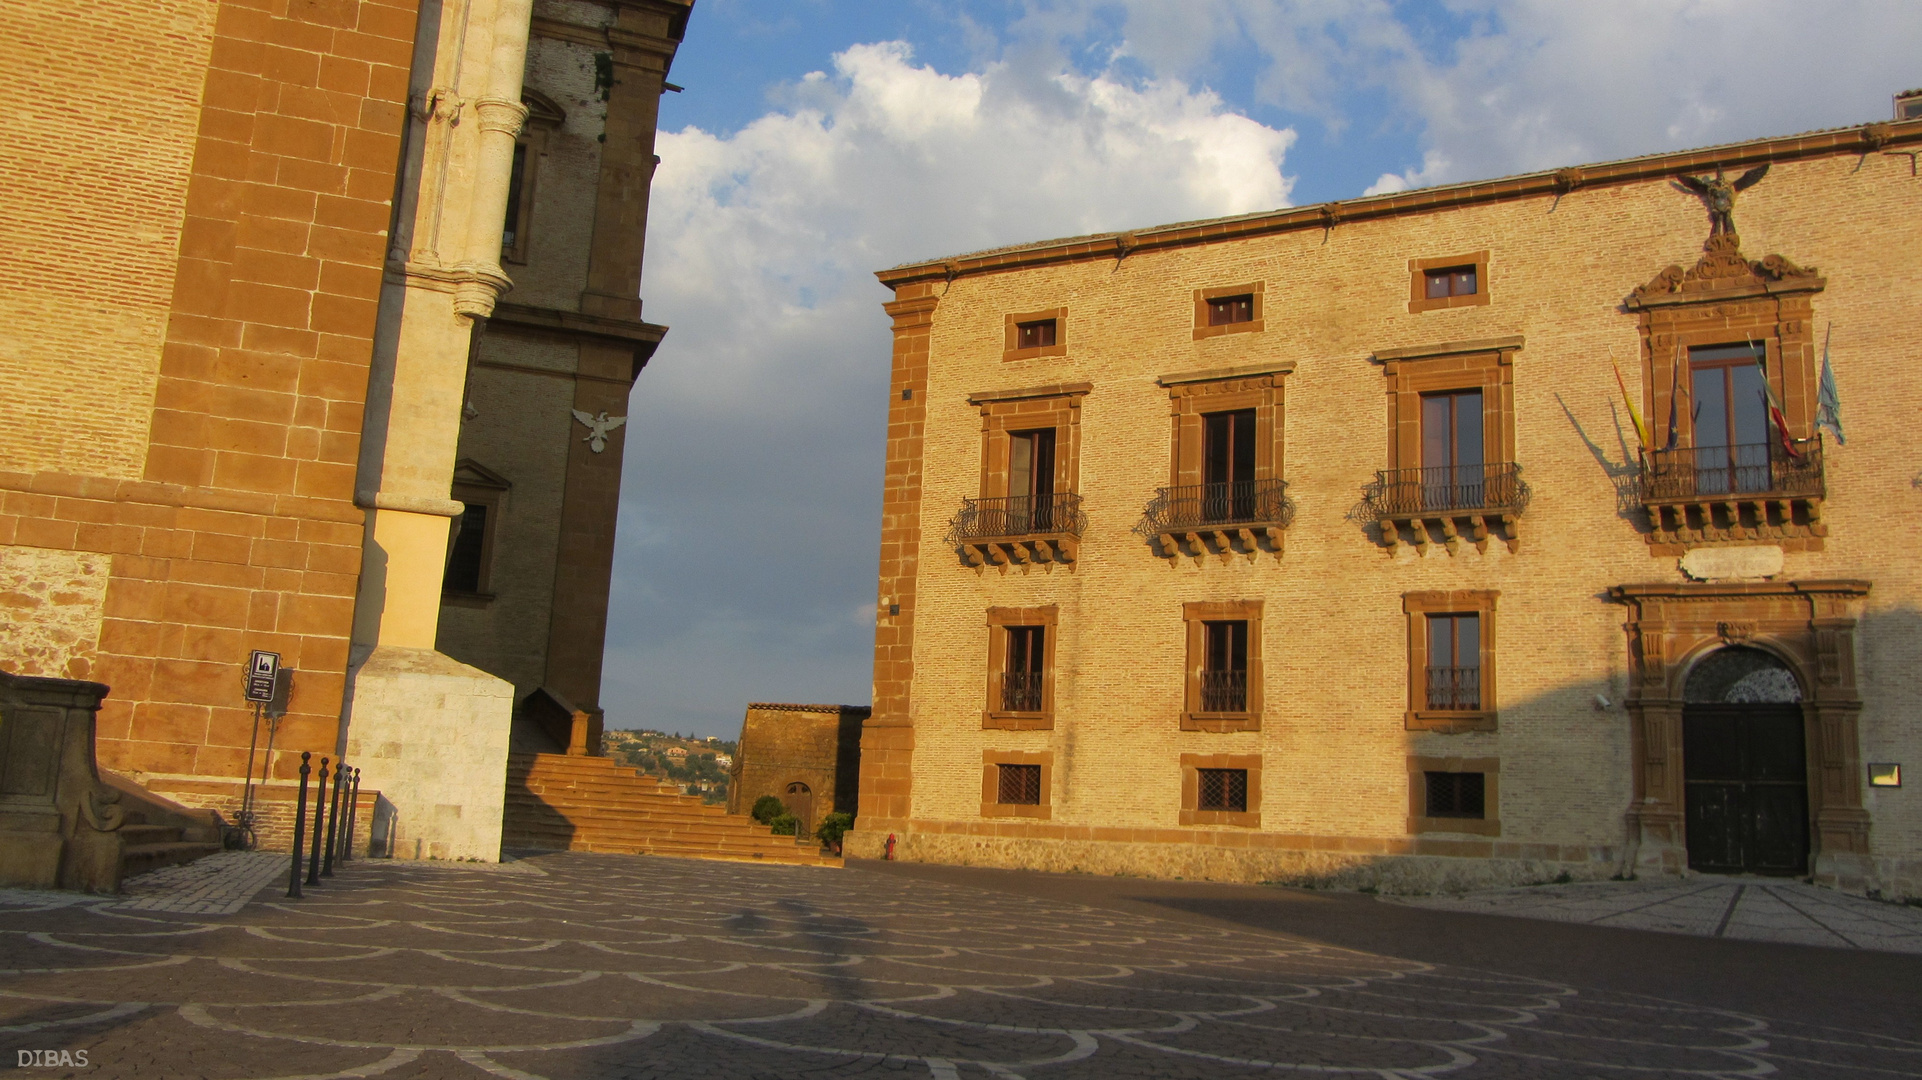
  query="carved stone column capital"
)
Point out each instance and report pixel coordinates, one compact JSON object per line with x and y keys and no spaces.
{"x":501,"y":115}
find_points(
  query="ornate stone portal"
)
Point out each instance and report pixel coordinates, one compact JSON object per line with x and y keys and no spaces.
{"x":1810,"y":627}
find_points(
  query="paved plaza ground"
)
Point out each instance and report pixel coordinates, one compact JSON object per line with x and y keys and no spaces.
{"x":572,"y":965}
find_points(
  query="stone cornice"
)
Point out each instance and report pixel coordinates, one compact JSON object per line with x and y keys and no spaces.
{"x":1853,"y":140}
{"x":151,"y":493}
{"x":1074,"y":389}
{"x":1244,"y":371}
{"x":579,"y":324}
{"x":1509,"y":344}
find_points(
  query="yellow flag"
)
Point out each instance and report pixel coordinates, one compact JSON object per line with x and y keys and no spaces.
{"x":1634,"y":414}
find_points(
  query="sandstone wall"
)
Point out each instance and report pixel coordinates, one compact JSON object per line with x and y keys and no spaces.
{"x":1332,"y":741}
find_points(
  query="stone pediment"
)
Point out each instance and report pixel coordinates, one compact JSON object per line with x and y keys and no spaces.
{"x":472,"y":473}
{"x":1724,"y":273}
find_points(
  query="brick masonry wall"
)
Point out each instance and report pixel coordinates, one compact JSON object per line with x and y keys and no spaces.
{"x":230,"y":516}
{"x":96,"y":179}
{"x":780,"y":746}
{"x":1332,"y":738}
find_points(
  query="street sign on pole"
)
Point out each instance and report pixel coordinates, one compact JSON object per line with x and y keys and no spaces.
{"x":262,"y":666}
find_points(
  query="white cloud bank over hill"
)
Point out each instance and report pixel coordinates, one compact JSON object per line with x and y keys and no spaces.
{"x":751,"y":519}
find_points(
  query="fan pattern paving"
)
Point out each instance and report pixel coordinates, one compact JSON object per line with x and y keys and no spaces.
{"x":616,"y":966}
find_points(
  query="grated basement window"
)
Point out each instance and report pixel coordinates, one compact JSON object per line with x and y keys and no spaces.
{"x":1222,"y":789}
{"x":1456,"y":794}
{"x":1020,"y":785}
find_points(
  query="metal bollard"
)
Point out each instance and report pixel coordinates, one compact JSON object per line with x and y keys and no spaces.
{"x":353,"y":817}
{"x":333,"y":822}
{"x":300,"y":820}
{"x":320,"y":808}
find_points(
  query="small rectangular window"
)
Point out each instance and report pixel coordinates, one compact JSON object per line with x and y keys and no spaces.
{"x":1450,"y":281}
{"x":1020,"y":785}
{"x":1456,"y":794}
{"x":1034,"y":335}
{"x":1223,"y":310}
{"x":1455,"y":662}
{"x":1222,"y":789}
{"x":1224,"y":673}
{"x":1021,"y":683}
{"x":464,"y":555}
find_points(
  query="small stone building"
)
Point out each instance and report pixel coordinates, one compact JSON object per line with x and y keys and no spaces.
{"x":808,"y":756}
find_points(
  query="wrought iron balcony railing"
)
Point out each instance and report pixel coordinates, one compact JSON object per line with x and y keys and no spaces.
{"x":1488,"y":494}
{"x":1753,"y":491}
{"x":1449,"y":489}
{"x":1019,"y":529}
{"x":1244,"y":502}
{"x":1202,"y":516}
{"x":1021,"y":691}
{"x":1455,"y":688}
{"x":1224,"y":691}
{"x":1753,"y":471}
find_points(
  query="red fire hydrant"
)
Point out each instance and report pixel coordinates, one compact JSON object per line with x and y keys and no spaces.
{"x":889,"y":854}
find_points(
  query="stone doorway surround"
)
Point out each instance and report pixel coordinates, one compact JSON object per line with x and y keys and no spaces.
{"x":1808,"y":625}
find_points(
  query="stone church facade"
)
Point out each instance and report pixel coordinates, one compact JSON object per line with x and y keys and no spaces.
{"x":270,"y":344}
{"x":1326,"y":545}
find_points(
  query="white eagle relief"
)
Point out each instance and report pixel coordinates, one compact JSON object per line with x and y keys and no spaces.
{"x":598,"y":427}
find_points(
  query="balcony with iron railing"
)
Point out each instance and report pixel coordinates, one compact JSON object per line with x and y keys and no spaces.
{"x":1454,"y":689}
{"x":1224,"y":691}
{"x":1245,"y":516}
{"x":1019,"y":530}
{"x":1756,"y":491}
{"x":1022,"y":691}
{"x":1484,"y":497}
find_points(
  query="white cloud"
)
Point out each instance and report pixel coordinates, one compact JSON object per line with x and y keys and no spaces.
{"x":1503,"y":86}
{"x":754,"y":455}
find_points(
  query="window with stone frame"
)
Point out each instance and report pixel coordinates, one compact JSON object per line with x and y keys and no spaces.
{"x":1454,"y":794}
{"x":1450,"y":281}
{"x":1020,"y":668}
{"x":1452,"y":473}
{"x":1221,"y":789}
{"x":1451,"y":660}
{"x":1029,"y":512}
{"x":467,"y":576}
{"x":1228,"y":309}
{"x":1718,"y":341}
{"x":1223,"y":689}
{"x":544,"y":117}
{"x":1035,"y":334}
{"x":1017,"y":783}
{"x":1226,"y":495}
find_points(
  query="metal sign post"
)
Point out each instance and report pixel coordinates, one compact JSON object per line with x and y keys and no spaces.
{"x":263,"y":670}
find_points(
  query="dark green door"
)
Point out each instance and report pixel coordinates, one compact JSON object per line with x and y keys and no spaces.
{"x":1747,"y":799}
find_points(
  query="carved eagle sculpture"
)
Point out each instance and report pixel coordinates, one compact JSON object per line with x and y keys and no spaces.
{"x":598,"y":427}
{"x":1719,"y":195}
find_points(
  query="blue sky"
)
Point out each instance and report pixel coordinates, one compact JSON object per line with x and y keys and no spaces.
{"x":820,"y":140}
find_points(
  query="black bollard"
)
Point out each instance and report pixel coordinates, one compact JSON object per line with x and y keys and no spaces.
{"x":333,"y":822}
{"x":320,"y":815}
{"x":300,"y":820}
{"x":353,"y":817}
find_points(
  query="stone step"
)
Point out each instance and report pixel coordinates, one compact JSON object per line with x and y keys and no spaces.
{"x":580,"y":803}
{"x":137,"y":834}
{"x":140,"y":858}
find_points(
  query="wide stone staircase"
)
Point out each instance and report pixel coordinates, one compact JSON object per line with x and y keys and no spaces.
{"x":577,"y":802}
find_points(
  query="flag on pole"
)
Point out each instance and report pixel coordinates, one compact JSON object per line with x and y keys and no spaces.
{"x":1674,"y":401}
{"x":1828,"y":409}
{"x":1774,"y":403}
{"x":1634,"y":414}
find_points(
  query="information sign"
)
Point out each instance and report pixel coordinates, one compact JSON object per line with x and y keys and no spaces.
{"x":261,"y":669}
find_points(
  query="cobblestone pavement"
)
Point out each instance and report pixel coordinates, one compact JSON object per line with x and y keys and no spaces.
{"x":615,"y":966}
{"x":1752,"y":909}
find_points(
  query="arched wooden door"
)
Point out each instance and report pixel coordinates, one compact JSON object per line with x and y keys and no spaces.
{"x":1745,"y":765}
{"x":800,"y":803}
